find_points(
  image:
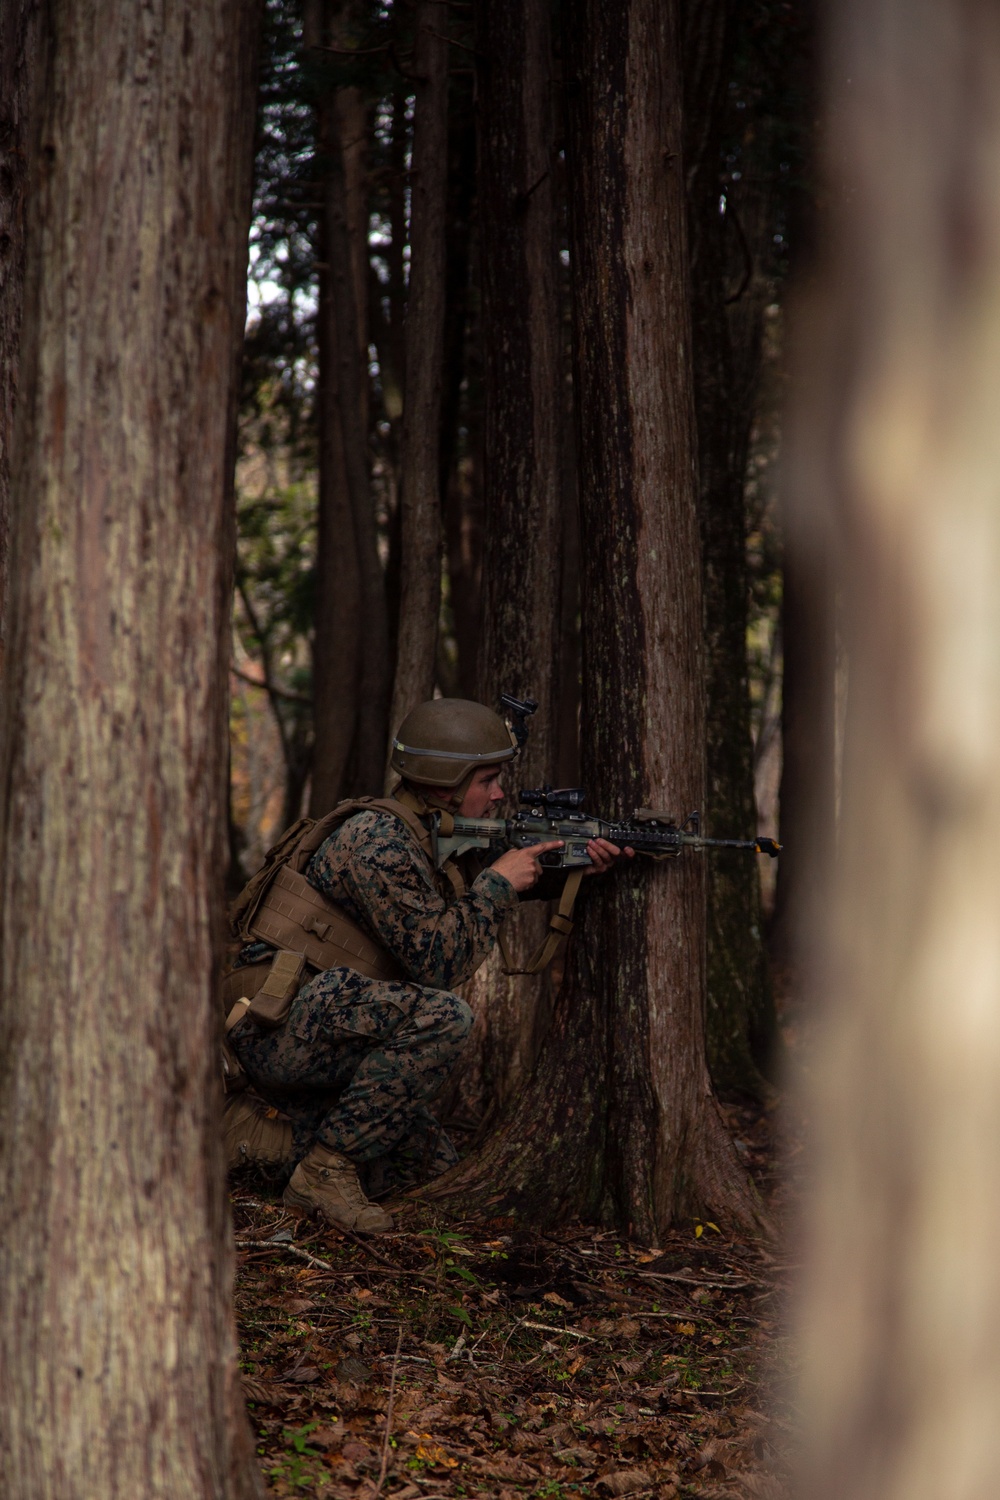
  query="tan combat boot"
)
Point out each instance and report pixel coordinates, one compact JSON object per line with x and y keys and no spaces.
{"x":255,"y":1134}
{"x":326,"y":1183}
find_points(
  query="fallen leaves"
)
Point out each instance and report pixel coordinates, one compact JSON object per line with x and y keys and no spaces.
{"x":557,"y":1366}
{"x":625,"y":1482}
{"x":433,"y":1455}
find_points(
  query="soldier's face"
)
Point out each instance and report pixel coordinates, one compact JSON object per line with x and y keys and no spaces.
{"x":484,"y":796}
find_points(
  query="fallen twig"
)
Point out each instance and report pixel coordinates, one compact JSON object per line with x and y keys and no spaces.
{"x":456,"y":1348}
{"x":510,"y":1335}
{"x":732,"y":1286}
{"x":388,"y":1416}
{"x":549,"y":1328}
{"x":285,"y":1248}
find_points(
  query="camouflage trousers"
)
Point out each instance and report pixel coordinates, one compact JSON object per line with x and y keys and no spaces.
{"x":355,"y":1065}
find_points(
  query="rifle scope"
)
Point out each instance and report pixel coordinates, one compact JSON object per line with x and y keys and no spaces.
{"x":562,"y":799}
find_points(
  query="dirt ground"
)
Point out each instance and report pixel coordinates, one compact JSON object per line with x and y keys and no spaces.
{"x":451,"y":1359}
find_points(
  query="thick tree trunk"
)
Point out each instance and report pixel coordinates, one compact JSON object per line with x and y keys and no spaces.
{"x":643,"y":725}
{"x":116,"y":1324}
{"x":739,"y":1002}
{"x":521,"y":485}
{"x":420,"y":468}
{"x":903,"y":1316}
{"x":619,"y":1117}
{"x":338,"y":627}
{"x":19,"y":28}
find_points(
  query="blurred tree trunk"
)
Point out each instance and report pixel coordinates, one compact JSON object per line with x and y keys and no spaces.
{"x":901,"y":443}
{"x":740,"y":1023}
{"x":618,"y":1119}
{"x":420,"y":467}
{"x":19,"y":27}
{"x":115,"y":1249}
{"x":521,"y":482}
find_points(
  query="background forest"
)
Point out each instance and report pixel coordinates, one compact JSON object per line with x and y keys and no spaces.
{"x":506,"y":417}
{"x":408,"y":475}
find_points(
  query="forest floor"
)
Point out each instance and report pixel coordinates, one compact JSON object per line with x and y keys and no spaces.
{"x":453,"y":1360}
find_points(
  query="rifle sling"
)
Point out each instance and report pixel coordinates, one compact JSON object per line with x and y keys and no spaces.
{"x":560,"y":927}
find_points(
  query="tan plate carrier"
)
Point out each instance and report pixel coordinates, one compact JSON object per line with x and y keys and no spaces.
{"x":279,"y":907}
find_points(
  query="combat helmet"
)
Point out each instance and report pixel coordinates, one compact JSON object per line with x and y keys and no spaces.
{"x":442,"y":742}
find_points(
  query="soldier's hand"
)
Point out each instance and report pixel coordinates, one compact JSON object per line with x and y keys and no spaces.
{"x":603,"y":855}
{"x":521,"y":867}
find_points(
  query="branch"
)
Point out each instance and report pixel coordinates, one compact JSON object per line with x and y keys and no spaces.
{"x":269,"y":687}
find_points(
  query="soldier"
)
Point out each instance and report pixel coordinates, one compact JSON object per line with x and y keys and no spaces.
{"x":366,"y":1044}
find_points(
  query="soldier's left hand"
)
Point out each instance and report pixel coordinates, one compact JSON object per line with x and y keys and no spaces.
{"x":604,"y":855}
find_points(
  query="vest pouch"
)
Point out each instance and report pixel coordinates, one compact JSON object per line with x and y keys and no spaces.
{"x":273,"y":1000}
{"x":295,"y":917}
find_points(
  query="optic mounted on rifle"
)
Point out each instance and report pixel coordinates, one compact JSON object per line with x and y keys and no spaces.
{"x":518,"y":710}
{"x":562,"y":799}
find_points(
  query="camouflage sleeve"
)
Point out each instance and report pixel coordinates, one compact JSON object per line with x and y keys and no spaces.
{"x":388,"y":882}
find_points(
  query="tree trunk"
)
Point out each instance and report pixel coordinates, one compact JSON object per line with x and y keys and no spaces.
{"x":903,"y":1286}
{"x":420,"y":477}
{"x":523,"y":393}
{"x":115,"y":1250}
{"x":462,"y":534}
{"x":338,"y":627}
{"x":350,"y":346}
{"x":19,"y":28}
{"x":619,"y":1118}
{"x":739,"y":1001}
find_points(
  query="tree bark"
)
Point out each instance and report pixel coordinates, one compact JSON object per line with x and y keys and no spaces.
{"x":420,"y":468}
{"x":902,"y":1326}
{"x":461,"y":507}
{"x":338,"y":628}
{"x":619,"y":1119}
{"x":19,"y":28}
{"x":115,"y":1247}
{"x":350,"y":348}
{"x":726,"y":344}
{"x":521,"y":449}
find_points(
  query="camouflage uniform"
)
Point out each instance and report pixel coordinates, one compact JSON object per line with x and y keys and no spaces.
{"x":357,"y":1060}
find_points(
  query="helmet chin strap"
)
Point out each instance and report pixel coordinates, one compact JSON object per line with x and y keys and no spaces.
{"x":445,"y":799}
{"x":426,"y":799}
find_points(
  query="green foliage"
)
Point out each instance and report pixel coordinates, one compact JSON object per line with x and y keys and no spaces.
{"x":296,"y":1469}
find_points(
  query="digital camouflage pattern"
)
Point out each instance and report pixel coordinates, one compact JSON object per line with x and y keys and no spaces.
{"x":371,"y":867}
{"x":357,"y":1060}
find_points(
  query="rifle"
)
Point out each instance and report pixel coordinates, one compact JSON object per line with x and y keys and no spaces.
{"x":548,"y":814}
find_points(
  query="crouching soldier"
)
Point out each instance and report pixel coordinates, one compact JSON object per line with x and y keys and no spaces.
{"x":353,"y":1054}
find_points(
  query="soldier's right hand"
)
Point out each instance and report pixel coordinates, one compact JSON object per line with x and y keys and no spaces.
{"x":521,"y":866}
